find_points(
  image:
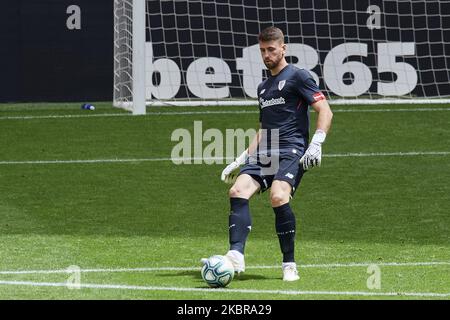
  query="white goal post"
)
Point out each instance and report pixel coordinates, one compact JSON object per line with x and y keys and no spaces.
{"x":129,"y":55}
{"x":205,"y":52}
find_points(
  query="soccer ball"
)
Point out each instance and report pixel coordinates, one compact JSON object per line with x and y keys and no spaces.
{"x":218,"y":271}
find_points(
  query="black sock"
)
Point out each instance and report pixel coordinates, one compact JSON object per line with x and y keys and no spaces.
{"x":240,"y":223}
{"x":285,"y":227}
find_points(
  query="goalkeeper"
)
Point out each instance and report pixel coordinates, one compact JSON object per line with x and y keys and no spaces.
{"x":283,"y":102}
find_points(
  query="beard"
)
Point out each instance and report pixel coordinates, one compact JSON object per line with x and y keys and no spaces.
{"x":272,"y":64}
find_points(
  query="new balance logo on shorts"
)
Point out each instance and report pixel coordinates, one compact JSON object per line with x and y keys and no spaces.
{"x":289,"y":175}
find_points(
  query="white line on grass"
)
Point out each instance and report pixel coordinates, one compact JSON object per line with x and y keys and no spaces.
{"x":388,"y":154}
{"x":218,"y":290}
{"x":153,"y":269}
{"x":391,"y":110}
{"x":125,"y":270}
{"x":190,"y":160}
{"x":208,"y":112}
{"x":67,"y":116}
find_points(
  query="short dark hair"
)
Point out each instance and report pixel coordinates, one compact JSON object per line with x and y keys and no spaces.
{"x":270,"y":34}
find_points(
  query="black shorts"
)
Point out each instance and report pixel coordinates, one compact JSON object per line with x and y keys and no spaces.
{"x":285,"y":168}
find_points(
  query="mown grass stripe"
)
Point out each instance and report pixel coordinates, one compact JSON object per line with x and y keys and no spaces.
{"x":156,"y":269}
{"x":222,"y":290}
{"x":220,"y":159}
{"x":206,"y":112}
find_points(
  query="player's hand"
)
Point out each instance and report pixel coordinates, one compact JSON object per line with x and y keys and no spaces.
{"x":312,"y":157}
{"x":230,"y":173}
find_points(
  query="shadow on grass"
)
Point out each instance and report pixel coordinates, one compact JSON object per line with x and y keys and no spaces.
{"x":197,"y":275}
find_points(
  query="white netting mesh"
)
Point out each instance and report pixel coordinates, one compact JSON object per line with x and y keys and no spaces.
{"x":123,"y":53}
{"x":207,"y":51}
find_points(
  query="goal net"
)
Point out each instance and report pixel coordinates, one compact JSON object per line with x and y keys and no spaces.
{"x":201,"y":52}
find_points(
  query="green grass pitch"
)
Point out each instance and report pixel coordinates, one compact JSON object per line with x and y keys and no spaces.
{"x":137,"y":229}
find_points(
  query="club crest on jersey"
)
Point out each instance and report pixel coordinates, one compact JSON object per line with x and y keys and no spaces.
{"x":281,"y":84}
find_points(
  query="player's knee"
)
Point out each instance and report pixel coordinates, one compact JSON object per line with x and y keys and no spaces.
{"x":278,"y":199}
{"x":235,"y":192}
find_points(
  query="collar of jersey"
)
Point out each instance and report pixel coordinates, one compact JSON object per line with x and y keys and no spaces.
{"x":281,"y":71}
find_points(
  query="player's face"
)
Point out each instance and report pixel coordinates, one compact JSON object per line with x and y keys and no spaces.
{"x":272,"y":52}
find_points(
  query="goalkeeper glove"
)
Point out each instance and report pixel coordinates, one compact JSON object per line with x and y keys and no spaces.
{"x":313,"y":154}
{"x":230,"y":173}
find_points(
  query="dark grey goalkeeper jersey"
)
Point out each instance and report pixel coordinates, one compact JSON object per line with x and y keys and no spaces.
{"x":283,"y":105}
